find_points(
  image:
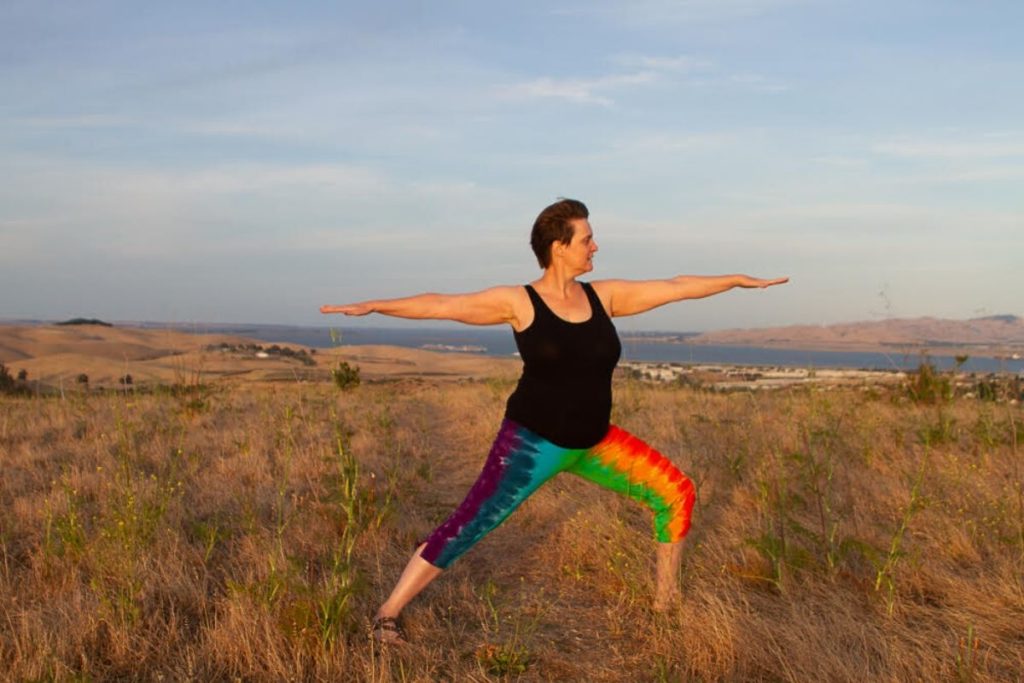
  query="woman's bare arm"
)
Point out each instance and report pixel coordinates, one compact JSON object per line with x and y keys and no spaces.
{"x":488,"y":307}
{"x":629,"y":297}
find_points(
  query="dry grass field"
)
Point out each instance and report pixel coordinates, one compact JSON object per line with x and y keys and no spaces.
{"x":246,"y":531}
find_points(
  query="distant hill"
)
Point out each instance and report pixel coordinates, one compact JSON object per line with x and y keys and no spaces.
{"x":988,"y":336}
{"x":55,"y":355}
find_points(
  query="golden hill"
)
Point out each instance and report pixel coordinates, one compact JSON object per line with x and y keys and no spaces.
{"x":55,"y":355}
{"x":989,"y":336}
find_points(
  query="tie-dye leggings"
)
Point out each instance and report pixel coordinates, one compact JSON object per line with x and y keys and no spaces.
{"x":520,"y":461}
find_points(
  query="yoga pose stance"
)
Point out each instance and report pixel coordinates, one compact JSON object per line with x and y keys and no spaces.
{"x":557,"y":419}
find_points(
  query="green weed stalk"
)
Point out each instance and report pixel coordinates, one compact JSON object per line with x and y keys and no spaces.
{"x":885,"y":576}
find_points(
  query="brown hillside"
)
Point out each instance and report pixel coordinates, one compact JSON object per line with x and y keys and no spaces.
{"x":994,"y":335}
{"x":56,"y":355}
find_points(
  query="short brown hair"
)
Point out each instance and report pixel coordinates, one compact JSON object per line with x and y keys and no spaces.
{"x":554,"y":224}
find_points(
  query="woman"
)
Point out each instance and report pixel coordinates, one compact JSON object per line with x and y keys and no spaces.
{"x":557,"y":419}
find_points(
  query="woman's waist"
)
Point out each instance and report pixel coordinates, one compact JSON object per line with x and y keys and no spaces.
{"x":567,"y":384}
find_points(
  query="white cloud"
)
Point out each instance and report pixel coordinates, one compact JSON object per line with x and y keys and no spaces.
{"x":680,"y":63}
{"x":658,"y":143}
{"x":661,"y":12}
{"x":1010,"y":146}
{"x":173,"y":215}
{"x":840,"y":161}
{"x":824,"y":227}
{"x":647,"y":70}
{"x":758,"y":83}
{"x":238,"y":129}
{"x":350,"y":180}
{"x":582,"y":91}
{"x":79,"y":121}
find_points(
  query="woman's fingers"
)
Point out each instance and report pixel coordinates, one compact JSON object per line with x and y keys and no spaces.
{"x":758,"y":282}
{"x":347,"y":309}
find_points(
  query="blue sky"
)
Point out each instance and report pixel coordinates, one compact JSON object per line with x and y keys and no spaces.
{"x":249,"y":161}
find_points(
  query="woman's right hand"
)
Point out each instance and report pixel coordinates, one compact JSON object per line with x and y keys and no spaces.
{"x":349,"y":309}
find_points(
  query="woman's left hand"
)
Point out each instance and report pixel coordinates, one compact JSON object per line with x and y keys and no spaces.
{"x":363,"y":308}
{"x":751,"y":282}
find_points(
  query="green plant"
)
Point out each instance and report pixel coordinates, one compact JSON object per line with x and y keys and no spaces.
{"x":816,"y":470}
{"x":503,"y":659}
{"x":966,"y":656}
{"x":943,"y":430}
{"x":64,"y":533}
{"x":928,"y":385}
{"x":358,"y":513}
{"x":345,"y":376}
{"x":885,"y":576}
{"x":509,"y":658}
{"x":208,"y":534}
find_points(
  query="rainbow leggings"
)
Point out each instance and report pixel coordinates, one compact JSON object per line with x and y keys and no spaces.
{"x":520,"y":461}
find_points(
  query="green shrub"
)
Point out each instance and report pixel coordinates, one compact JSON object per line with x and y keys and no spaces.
{"x":928,"y":385}
{"x":346,"y":376}
{"x":10,"y":386}
{"x":7,"y":383}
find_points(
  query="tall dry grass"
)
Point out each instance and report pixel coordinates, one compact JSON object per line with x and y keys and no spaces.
{"x":248,"y":533}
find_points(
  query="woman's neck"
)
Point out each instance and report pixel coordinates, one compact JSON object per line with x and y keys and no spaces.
{"x":557,"y":281}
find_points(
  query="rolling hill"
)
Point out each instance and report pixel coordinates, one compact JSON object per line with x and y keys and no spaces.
{"x":988,"y":336}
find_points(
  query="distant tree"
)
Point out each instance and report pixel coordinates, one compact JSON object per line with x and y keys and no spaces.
{"x":23,"y":375}
{"x":85,"y":321}
{"x":82,"y":378}
{"x":7,"y":384}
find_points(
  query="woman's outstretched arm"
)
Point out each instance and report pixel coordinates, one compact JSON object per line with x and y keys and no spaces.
{"x":488,"y":307}
{"x":629,"y":297}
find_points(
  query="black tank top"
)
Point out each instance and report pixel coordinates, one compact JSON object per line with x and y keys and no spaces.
{"x":565,"y":393}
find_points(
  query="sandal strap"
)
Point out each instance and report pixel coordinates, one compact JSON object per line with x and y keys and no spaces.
{"x":387,"y":625}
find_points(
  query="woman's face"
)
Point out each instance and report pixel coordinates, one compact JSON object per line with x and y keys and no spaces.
{"x":579,"y":253}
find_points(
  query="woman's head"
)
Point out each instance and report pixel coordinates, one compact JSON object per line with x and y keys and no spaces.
{"x":554,"y":224}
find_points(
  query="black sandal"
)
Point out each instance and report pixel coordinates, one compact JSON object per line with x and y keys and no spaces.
{"x":387,"y":631}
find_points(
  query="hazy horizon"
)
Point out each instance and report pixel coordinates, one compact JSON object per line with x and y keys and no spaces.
{"x":384,"y":323}
{"x":236,"y":162}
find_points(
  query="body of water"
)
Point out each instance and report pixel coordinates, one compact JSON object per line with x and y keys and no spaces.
{"x":499,"y":342}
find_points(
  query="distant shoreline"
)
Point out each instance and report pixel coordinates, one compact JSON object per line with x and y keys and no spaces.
{"x":945,"y":350}
{"x":734,"y":348}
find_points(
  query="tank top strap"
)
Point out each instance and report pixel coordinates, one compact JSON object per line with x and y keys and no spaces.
{"x":534,"y":297}
{"x":538,"y":303}
{"x":596,"y":307}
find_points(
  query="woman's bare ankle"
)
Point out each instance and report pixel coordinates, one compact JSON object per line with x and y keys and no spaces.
{"x":385,"y":612}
